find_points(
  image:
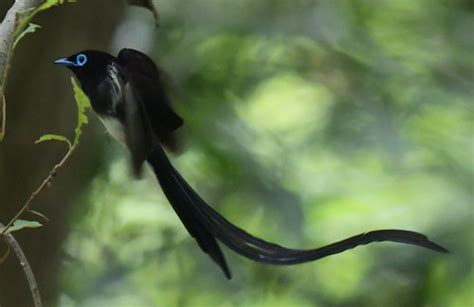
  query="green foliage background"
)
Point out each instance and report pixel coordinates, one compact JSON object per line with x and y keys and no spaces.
{"x":305,"y":122}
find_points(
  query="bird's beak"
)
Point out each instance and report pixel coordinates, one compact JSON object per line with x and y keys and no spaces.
{"x":64,"y":61}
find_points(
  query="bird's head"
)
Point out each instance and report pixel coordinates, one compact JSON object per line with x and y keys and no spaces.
{"x":87,"y":64}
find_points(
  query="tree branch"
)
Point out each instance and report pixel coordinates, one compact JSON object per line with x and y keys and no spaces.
{"x":30,"y":277}
{"x":42,"y":186}
{"x":8,"y":30}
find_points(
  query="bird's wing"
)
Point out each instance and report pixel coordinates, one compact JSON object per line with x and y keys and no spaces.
{"x":146,"y":80}
{"x":139,"y":136}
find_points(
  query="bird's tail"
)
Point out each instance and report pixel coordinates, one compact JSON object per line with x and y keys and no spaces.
{"x":206,"y":225}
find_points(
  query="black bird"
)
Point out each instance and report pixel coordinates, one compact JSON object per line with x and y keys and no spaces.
{"x":127,"y":92}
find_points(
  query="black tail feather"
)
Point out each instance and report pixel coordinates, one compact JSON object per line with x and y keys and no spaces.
{"x":205,"y":225}
{"x":185,"y":209}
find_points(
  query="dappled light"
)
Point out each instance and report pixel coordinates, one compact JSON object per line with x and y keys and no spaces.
{"x":305,"y":122}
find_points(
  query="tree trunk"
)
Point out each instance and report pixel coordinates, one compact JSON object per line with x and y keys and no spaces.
{"x":39,"y":101}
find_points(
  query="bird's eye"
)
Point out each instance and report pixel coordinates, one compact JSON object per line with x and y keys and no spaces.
{"x":81,"y":59}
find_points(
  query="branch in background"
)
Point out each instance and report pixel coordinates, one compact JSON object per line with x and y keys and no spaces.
{"x":8,"y":31}
{"x":148,"y":4}
{"x":15,"y":26}
{"x":30,"y":277}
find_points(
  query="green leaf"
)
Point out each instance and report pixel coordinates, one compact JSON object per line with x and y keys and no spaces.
{"x":53,"y":137}
{"x":83,"y":103}
{"x":25,"y":17}
{"x":30,"y":29}
{"x":39,"y":214}
{"x":48,"y":4}
{"x":21,"y":224}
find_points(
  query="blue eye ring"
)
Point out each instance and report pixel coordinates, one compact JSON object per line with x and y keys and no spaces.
{"x":81,"y":59}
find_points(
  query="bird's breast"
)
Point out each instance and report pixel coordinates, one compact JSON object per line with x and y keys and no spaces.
{"x":107,"y":95}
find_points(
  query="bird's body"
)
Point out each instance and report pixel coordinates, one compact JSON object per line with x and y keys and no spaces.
{"x":128,"y":95}
{"x":107,"y":99}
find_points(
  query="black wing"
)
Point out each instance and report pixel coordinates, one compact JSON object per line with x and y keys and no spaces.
{"x":139,"y":135}
{"x":146,"y":80}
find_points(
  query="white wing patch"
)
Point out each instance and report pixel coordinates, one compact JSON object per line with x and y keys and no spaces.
{"x":116,"y":84}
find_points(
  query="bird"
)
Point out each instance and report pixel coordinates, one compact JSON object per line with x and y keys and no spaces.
{"x":129,"y":95}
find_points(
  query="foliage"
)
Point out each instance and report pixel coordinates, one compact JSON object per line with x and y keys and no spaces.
{"x":30,"y":29}
{"x":82,"y":103}
{"x":54,"y":137}
{"x":21,"y":224}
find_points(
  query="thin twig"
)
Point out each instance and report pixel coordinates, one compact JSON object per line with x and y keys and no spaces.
{"x":44,"y":184}
{"x":30,"y":277}
{"x":7,"y":253}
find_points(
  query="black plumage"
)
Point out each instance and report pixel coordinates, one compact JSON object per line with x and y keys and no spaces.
{"x":128,"y":91}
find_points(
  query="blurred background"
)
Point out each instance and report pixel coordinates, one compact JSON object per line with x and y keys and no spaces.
{"x":306,"y":122}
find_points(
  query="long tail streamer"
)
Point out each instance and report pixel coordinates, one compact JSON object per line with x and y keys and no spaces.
{"x":206,"y":225}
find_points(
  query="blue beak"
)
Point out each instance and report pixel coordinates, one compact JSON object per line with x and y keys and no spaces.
{"x":65,"y":62}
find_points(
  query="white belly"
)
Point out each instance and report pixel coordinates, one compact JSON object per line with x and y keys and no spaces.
{"x":114,"y":128}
